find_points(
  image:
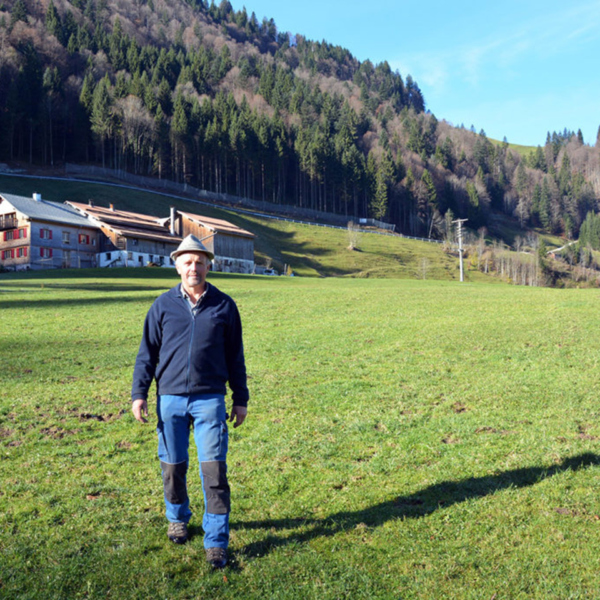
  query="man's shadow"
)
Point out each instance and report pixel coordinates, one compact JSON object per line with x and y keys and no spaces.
{"x":413,"y":506}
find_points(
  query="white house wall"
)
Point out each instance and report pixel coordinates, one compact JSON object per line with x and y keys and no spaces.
{"x":123,"y":258}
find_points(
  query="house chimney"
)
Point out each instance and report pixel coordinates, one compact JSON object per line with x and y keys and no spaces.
{"x":90,"y":203}
{"x":112,"y":207}
{"x":172,"y":221}
{"x":37,"y":197}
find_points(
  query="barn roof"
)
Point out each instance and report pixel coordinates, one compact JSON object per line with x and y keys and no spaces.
{"x":218,"y":225}
{"x":128,"y":224}
{"x":44,"y":210}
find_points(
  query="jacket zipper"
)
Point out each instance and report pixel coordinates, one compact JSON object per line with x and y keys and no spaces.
{"x":189,"y":362}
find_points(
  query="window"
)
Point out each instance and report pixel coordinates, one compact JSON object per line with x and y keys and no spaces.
{"x":108,"y":256}
{"x":9,"y":235}
{"x":46,"y":252}
{"x":66,"y":237}
{"x":21,"y":252}
{"x":84,"y":239}
{"x":46,"y":234}
{"x":6,"y":254}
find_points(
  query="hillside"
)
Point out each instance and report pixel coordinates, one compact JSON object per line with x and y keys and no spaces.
{"x":209,"y":96}
{"x":309,"y":250}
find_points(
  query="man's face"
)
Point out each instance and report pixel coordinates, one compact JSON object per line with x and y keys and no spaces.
{"x":193,"y":268}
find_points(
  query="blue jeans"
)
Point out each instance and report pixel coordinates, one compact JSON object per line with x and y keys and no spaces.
{"x":208,"y":417}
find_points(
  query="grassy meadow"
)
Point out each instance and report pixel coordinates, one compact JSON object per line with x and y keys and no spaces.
{"x":406,"y":439}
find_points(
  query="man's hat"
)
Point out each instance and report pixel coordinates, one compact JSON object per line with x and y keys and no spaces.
{"x":191,"y":244}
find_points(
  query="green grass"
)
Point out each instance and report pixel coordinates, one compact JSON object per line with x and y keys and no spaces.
{"x":524,"y":151}
{"x":311,"y":251}
{"x":406,"y":439}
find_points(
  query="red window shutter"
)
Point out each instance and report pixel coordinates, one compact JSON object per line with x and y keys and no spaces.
{"x":50,"y":251}
{"x":50,"y":230}
{"x":25,"y":252}
{"x":6,"y":236}
{"x":12,"y":253}
{"x":42,"y":252}
{"x":25,"y":234}
{"x":87,"y":239}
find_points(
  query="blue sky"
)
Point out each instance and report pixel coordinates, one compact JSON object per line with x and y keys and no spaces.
{"x":513,"y":68}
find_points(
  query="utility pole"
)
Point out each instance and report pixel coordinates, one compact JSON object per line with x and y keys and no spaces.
{"x":460,"y":246}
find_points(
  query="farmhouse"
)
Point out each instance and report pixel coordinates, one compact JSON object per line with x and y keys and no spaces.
{"x":232,"y":246}
{"x":130,"y":239}
{"x":38,"y":234}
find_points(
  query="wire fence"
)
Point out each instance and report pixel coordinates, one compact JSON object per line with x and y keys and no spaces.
{"x":230,"y":200}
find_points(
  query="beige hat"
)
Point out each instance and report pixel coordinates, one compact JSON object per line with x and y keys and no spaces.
{"x":191,"y":244}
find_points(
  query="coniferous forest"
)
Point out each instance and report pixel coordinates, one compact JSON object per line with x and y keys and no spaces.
{"x":202,"y":94}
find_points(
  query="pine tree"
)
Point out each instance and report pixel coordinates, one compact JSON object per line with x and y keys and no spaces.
{"x":54,"y":24}
{"x":18,"y":13}
{"x":379,"y":204}
{"x":101,"y":114}
{"x":544,"y":209}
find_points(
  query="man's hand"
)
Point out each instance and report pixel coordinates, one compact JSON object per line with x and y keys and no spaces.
{"x":139,"y":408}
{"x":239,"y":414}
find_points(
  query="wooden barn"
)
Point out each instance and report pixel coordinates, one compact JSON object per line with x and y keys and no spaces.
{"x":38,"y":234}
{"x":130,"y":239}
{"x":232,"y":246}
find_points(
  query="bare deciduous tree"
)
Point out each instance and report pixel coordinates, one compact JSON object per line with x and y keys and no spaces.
{"x":353,"y":235}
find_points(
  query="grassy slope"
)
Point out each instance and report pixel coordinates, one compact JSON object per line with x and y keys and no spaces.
{"x":412,"y":439}
{"x":524,"y":151}
{"x":311,"y":251}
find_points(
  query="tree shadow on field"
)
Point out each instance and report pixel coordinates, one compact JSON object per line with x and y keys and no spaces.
{"x":76,"y":302}
{"x":414,"y":506}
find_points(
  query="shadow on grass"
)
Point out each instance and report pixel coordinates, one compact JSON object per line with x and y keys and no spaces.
{"x":77,"y":302}
{"x":414,"y":506}
{"x":54,"y":279}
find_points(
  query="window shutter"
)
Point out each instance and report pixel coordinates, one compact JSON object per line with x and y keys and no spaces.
{"x":42,"y":252}
{"x":50,"y":251}
{"x":25,"y":252}
{"x":50,"y":231}
{"x":6,"y":236}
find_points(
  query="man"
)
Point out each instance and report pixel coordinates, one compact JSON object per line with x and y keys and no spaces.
{"x":192,"y":346}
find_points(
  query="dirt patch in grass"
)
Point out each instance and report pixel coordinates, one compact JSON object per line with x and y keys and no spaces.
{"x":101,"y":418}
{"x":450,"y":439}
{"x":58,"y":433}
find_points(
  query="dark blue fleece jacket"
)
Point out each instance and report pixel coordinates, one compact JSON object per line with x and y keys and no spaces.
{"x":192,"y":354}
